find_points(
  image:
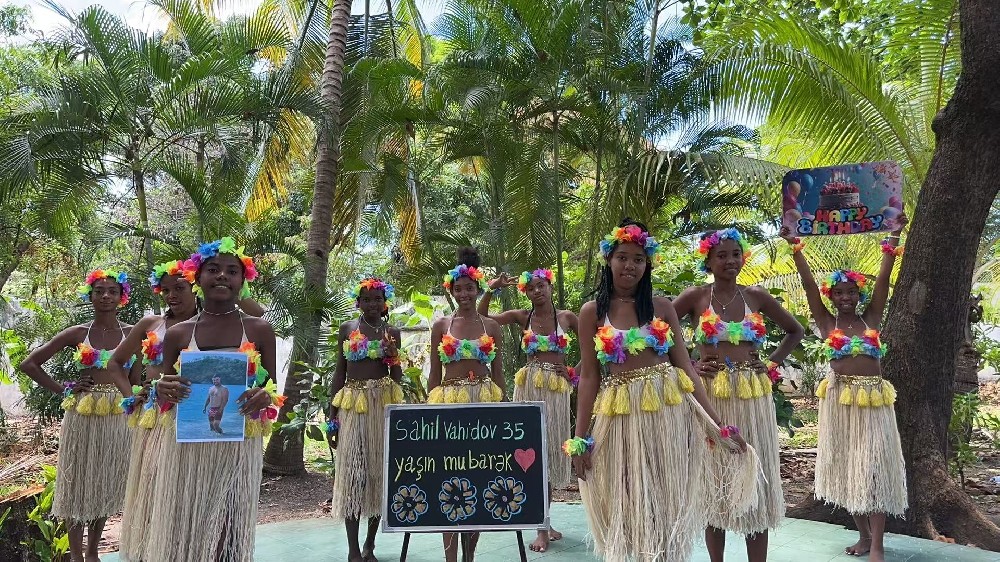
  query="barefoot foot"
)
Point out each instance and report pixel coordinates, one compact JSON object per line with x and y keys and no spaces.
{"x":368,"y":554}
{"x":859,"y":548}
{"x":876,"y":555}
{"x":554,"y":535}
{"x":541,"y":543}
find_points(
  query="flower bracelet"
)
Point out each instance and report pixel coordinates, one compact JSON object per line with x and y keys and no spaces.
{"x":577,"y":446}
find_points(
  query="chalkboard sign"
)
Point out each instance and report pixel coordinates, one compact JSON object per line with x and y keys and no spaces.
{"x":465,"y":467}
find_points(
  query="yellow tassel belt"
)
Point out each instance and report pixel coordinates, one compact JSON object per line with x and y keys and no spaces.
{"x":100,"y":400}
{"x":546,"y":376}
{"x":615,"y":398}
{"x":354,"y":394}
{"x":863,"y":391}
{"x":456,"y":391}
{"x":747,"y":381}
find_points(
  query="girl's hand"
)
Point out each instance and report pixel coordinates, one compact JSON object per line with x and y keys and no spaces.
{"x":903,"y":220}
{"x":786,"y":233}
{"x":85,"y":383}
{"x":708,"y":367}
{"x":173,"y":388}
{"x":253,"y":400}
{"x":738,"y":439}
{"x":581,"y":465}
{"x":389,"y":345}
{"x":503,"y":281}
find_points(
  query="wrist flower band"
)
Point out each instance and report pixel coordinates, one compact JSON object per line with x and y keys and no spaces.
{"x":94,"y":276}
{"x":631,"y":234}
{"x":577,"y":446}
{"x":714,"y":239}
{"x":528,"y":276}
{"x":463,"y":270}
{"x":888,"y":248}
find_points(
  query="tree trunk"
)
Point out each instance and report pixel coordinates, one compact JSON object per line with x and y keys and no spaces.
{"x":557,"y":188}
{"x":930,"y":305}
{"x":139,"y":183}
{"x":284,"y":452}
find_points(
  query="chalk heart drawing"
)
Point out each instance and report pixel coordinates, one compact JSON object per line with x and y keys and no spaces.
{"x":524,"y":458}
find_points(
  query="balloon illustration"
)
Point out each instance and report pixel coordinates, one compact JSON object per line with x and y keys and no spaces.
{"x":792,"y":217}
{"x":896,"y":202}
{"x":793,"y":188}
{"x":807,"y":181}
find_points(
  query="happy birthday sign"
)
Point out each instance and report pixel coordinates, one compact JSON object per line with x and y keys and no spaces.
{"x":848,"y":199}
{"x":452,"y":467}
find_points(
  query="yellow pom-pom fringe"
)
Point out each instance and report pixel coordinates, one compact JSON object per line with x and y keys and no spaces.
{"x":361,"y":403}
{"x":485,"y":393}
{"x":888,"y":393}
{"x":861,"y":398}
{"x":650,"y":402}
{"x":436,"y":396}
{"x":539,"y":379}
{"x":519,"y":377}
{"x":450,"y":395}
{"x":821,"y":389}
{"x":720,"y":386}
{"x":463,"y":395}
{"x":497,"y":393}
{"x":68,"y":403}
{"x":397,"y":394}
{"x":846,"y":397}
{"x":554,"y":382}
{"x":133,"y":419}
{"x":755,"y":390}
{"x":685,"y":382}
{"x":765,"y":384}
{"x":599,"y":403}
{"x":743,"y":390}
{"x":338,"y":399}
{"x":876,"y":398}
{"x":85,"y":406}
{"x":671,"y":394}
{"x":102,"y":407}
{"x":148,"y":418}
{"x":622,"y":398}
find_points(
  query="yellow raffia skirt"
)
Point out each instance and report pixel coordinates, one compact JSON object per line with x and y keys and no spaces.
{"x":205,"y":496}
{"x":139,"y":485}
{"x":742,"y":397}
{"x":541,"y":382}
{"x":859,"y":461}
{"x":466,"y":391}
{"x":357,"y":484}
{"x":94,"y":444}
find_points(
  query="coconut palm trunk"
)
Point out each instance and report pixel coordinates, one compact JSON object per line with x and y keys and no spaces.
{"x":284,"y":451}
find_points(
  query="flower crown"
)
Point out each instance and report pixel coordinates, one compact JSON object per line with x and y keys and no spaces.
{"x":463,"y":270}
{"x":177,"y":267}
{"x":373,"y":284}
{"x":633,"y":234}
{"x":529,"y":276}
{"x":847,"y":276}
{"x":225,"y":245}
{"x":94,"y":276}
{"x":716,"y":238}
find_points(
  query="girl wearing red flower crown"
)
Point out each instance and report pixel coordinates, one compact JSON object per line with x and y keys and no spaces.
{"x":729,"y":329}
{"x":467,"y":366}
{"x":206,"y":494}
{"x":859,"y":459}
{"x":653,"y":425}
{"x":94,"y":438}
{"x":546,"y":377}
{"x":366,"y":380}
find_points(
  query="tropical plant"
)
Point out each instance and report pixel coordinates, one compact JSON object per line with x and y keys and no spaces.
{"x":54,"y":541}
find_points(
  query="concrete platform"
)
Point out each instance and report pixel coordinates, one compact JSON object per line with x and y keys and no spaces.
{"x":315,"y":540}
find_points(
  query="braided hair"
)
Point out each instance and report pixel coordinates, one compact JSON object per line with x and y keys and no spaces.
{"x":644,"y":291}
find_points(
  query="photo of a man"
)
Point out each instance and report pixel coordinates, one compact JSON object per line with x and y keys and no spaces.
{"x":215,"y":404}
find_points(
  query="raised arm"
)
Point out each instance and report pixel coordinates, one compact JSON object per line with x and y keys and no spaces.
{"x":590,"y":369}
{"x":772,"y":309}
{"x":685,"y":303}
{"x":127,"y":349}
{"x":880,"y":293}
{"x":818,"y":310}
{"x":340,"y":373}
{"x":395,"y":371}
{"x":506,"y":317}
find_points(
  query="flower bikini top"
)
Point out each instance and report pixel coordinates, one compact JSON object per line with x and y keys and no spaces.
{"x":452,"y":349}
{"x":152,"y":346}
{"x":532,"y":343}
{"x":89,"y":357}
{"x":358,"y":347}
{"x":613,"y":344}
{"x":712,"y":329}
{"x":840,"y":346}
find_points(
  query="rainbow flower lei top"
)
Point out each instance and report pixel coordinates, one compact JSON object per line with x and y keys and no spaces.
{"x":152,"y":349}
{"x":88,"y":357}
{"x":839,"y":346}
{"x":357,"y":347}
{"x":613,"y":344}
{"x":452,"y":349}
{"x":532,"y":343}
{"x":712,"y":329}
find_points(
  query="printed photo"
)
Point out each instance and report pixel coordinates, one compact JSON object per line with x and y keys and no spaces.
{"x":211,"y":413}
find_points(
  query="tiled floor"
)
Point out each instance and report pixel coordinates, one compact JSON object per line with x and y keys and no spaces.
{"x":315,"y":540}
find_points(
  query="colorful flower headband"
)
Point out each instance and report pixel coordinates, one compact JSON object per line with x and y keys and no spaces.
{"x":226,"y":245}
{"x":716,"y":238}
{"x":629,"y":234}
{"x":373,"y":284}
{"x":94,"y":276}
{"x":176,"y":267}
{"x":529,"y":276}
{"x":463,"y":270}
{"x":847,"y":276}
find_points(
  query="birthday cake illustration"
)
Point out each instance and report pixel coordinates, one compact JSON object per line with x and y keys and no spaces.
{"x":839,"y":193}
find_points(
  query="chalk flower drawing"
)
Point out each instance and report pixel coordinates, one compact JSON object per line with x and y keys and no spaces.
{"x":504,"y":497}
{"x":409,"y":503}
{"x":458,"y":498}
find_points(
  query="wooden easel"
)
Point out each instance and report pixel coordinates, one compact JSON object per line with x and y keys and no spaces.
{"x":467,"y":554}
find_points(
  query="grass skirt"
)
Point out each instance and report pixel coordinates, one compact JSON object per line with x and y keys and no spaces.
{"x":146,"y":443}
{"x":859,"y":462}
{"x":540,"y":382}
{"x":205,"y":497}
{"x":357,"y":484}
{"x":742,"y":397}
{"x":466,"y":391}
{"x":93,"y":456}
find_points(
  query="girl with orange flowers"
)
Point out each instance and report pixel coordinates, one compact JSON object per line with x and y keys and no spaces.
{"x":859,"y":460}
{"x":729,"y":329}
{"x":467,"y":366}
{"x":205,"y":494}
{"x":93,"y":439}
{"x":173,"y":283}
{"x":545,"y":377}
{"x":640,"y":471}
{"x":366,"y":380}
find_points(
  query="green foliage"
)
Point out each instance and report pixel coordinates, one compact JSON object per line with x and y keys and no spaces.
{"x":967,"y":416}
{"x":55,"y":539}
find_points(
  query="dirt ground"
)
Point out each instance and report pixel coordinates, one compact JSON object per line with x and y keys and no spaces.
{"x":24,"y":448}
